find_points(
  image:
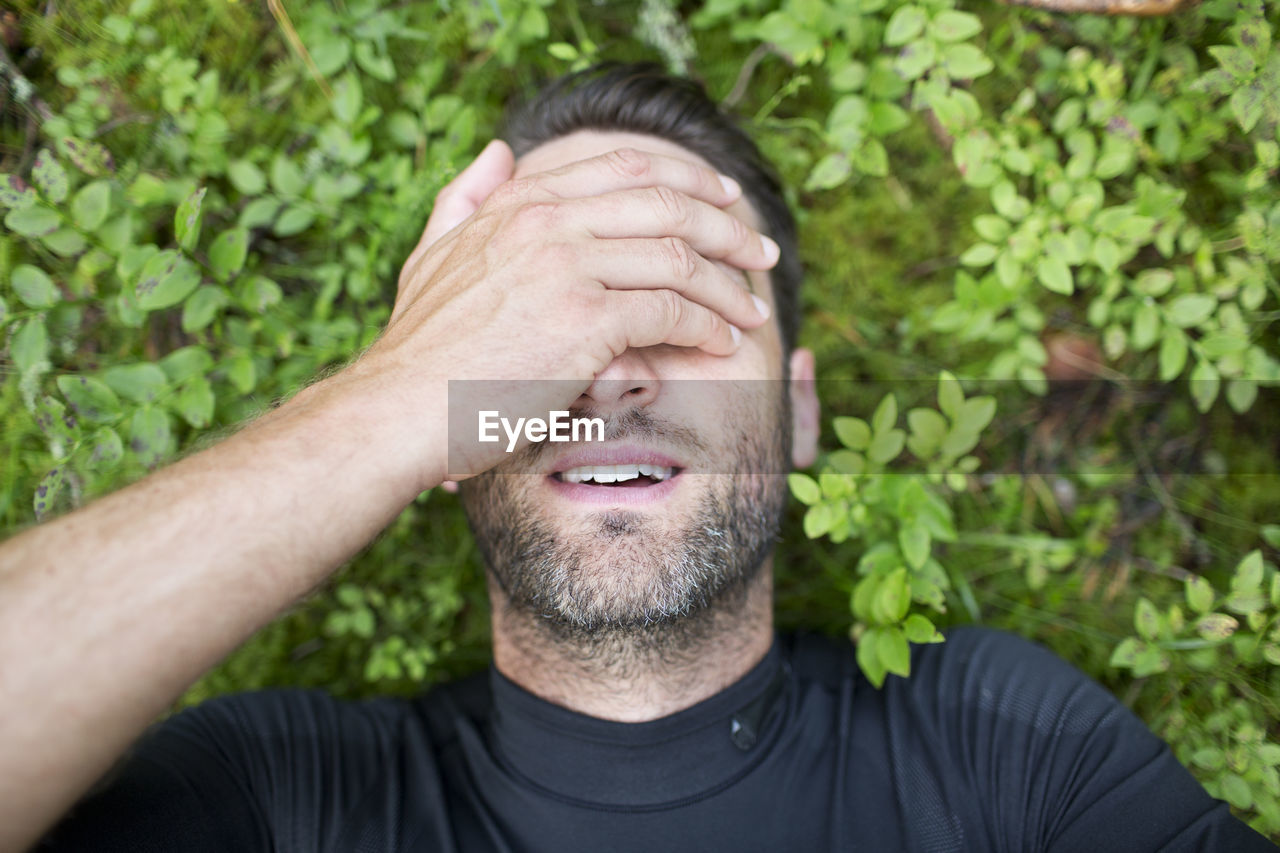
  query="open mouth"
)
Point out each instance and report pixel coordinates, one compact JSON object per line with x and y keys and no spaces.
{"x":636,"y":476}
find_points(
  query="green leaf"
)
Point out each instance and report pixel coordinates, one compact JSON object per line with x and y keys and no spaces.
{"x":294,"y":221}
{"x":90,"y":206}
{"x":1271,"y":535}
{"x":1247,"y":105}
{"x":950,"y":395}
{"x":804,"y":487}
{"x":227,"y":252}
{"x":1146,"y":326}
{"x":202,"y":306}
{"x":166,"y":280}
{"x":1146,"y":620}
{"x":852,"y":432}
{"x":1125,"y":654}
{"x":1199,"y":594}
{"x":906,"y":23}
{"x":1106,"y":254}
{"x":1190,"y":309}
{"x":928,"y":428}
{"x":90,"y":398}
{"x":246,"y":177}
{"x":377,"y":67}
{"x":243,"y":373}
{"x":894,"y":652}
{"x":831,"y":171}
{"x":950,"y":25}
{"x":966,"y":61}
{"x":141,"y":382}
{"x":892,"y":597}
{"x":186,"y":221}
{"x":818,"y":520}
{"x":976,"y":414}
{"x":29,"y":347}
{"x":979,"y":254}
{"x":32,"y":221}
{"x":1241,"y":394}
{"x":1236,"y":61}
{"x":868,"y":655}
{"x":1236,"y":791}
{"x":991,"y":228}
{"x":1173,"y":354}
{"x":1216,"y":626}
{"x":918,"y":629}
{"x":347,"y":99}
{"x":150,"y":436}
{"x":1248,"y":575}
{"x":48,"y":491}
{"x":180,"y":365}
{"x":886,"y":415}
{"x":14,"y":192}
{"x":1055,"y":275}
{"x":195,"y":402}
{"x":562,"y":51}
{"x":49,"y":176}
{"x":34,"y":287}
{"x":105,"y":449}
{"x":915,"y":542}
{"x":870,"y":158}
{"x":286,"y":177}
{"x":1204,"y":385}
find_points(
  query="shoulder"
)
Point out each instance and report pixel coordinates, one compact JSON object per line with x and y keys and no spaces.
{"x":283,"y":713}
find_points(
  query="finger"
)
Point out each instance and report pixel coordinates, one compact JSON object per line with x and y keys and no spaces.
{"x":663,"y":212}
{"x":670,"y":263}
{"x":463,"y":196}
{"x":630,"y":168}
{"x":646,"y":318}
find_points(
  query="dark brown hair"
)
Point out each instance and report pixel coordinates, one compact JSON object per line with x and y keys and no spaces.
{"x":643,"y":98}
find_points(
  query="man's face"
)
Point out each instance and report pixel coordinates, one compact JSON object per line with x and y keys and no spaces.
{"x":698,"y":445}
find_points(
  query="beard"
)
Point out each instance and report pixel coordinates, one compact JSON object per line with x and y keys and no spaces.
{"x":619,"y":574}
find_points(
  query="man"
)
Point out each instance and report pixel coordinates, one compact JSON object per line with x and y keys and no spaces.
{"x":639,"y":699}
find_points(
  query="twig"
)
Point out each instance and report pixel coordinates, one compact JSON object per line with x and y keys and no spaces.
{"x":744,"y":76}
{"x":24,"y":91}
{"x":1146,"y":8}
{"x":295,"y":41}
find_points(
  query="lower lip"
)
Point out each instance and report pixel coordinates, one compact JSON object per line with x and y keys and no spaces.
{"x":615,"y":495}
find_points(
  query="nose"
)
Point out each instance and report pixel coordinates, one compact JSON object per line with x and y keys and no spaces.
{"x":628,"y":381}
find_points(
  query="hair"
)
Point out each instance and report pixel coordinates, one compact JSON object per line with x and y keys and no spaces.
{"x":643,"y":98}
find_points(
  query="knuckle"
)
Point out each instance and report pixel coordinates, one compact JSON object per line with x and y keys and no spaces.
{"x":670,"y":206}
{"x":683,"y":260}
{"x":672,"y":308}
{"x":537,"y":214}
{"x":739,"y":232}
{"x":628,"y":162}
{"x":557,"y":255}
{"x":512,"y":192}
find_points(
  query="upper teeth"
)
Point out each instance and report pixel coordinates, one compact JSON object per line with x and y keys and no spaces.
{"x":615,"y":473}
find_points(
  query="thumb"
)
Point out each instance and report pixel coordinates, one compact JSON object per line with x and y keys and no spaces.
{"x":462,"y":196}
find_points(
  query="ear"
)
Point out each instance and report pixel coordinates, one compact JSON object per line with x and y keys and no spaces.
{"x":804,"y":409}
{"x":465,"y":193}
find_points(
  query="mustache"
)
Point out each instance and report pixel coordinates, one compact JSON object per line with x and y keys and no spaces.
{"x":636,"y":424}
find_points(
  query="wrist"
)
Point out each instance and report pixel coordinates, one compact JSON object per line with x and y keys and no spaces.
{"x":398,"y":435}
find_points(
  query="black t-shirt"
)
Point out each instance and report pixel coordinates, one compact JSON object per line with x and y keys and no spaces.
{"x":993,"y":744}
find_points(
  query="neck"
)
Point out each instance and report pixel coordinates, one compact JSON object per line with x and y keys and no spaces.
{"x":641,"y":674}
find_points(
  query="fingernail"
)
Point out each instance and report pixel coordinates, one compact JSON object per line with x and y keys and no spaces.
{"x":732,"y":187}
{"x":761,"y":306}
{"x":737,"y":334}
{"x":771,"y":249}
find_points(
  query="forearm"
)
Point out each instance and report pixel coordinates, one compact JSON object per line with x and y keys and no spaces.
{"x":108,"y":614}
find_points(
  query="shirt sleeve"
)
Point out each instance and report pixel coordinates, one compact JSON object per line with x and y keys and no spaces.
{"x":1056,"y":761}
{"x":273,"y":770}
